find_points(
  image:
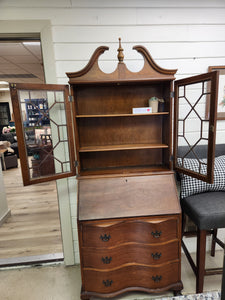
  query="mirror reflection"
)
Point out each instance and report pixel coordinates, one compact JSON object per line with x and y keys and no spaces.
{"x":45,"y":132}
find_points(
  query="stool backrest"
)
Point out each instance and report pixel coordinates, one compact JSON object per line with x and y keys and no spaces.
{"x":201,"y":151}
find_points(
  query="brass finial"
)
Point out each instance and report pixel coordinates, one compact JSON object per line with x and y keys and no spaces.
{"x":120,"y":52}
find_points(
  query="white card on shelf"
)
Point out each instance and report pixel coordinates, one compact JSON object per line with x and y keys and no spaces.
{"x":142,"y":110}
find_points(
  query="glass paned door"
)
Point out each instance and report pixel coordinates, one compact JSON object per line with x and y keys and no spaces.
{"x":44,"y":131}
{"x":194,"y":130}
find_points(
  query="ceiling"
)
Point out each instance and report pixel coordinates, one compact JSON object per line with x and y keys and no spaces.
{"x":21,"y":62}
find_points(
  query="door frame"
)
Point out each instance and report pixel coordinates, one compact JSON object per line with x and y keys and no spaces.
{"x":26,"y":29}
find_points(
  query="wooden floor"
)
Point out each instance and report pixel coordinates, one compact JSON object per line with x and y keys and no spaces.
{"x":34,"y":227}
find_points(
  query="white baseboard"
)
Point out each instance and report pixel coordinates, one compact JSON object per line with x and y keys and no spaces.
{"x":5,"y":217}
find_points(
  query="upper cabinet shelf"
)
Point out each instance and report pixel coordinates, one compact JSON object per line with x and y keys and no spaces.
{"x":122,"y":147}
{"x":110,"y":138}
{"x":121,"y":115}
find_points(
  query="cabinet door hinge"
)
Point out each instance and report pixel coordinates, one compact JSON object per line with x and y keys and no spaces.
{"x":172,"y":94}
{"x":76,"y":163}
{"x":70,"y":98}
{"x":13,"y":85}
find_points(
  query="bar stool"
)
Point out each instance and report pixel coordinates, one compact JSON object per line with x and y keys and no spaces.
{"x":207,"y":211}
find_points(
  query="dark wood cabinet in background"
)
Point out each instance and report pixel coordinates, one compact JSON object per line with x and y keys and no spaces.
{"x":4,"y":115}
{"x":35,"y":109}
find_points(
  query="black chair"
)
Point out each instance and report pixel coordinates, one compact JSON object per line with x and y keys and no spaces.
{"x":207,"y":212}
{"x":10,"y":160}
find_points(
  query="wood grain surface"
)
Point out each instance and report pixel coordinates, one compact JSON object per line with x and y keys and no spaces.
{"x":33,"y":228}
{"x":122,"y":197}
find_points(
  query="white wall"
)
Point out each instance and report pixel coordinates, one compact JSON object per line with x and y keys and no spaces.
{"x":4,"y":210}
{"x":187,"y":35}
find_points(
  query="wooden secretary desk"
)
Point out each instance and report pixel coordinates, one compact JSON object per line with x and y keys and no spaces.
{"x":129,"y":216}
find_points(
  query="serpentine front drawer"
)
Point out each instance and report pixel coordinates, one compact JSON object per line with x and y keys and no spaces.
{"x":148,"y":231}
{"x":131,"y":276}
{"x":145,"y":254}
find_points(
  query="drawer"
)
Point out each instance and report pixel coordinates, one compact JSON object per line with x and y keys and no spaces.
{"x":106,"y":234}
{"x":131,"y":276}
{"x":108,"y":258}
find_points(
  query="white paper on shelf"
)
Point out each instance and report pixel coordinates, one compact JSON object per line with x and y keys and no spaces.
{"x":142,"y":110}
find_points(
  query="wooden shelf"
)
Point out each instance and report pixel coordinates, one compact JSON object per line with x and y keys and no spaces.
{"x":122,"y":147}
{"x":125,"y":171}
{"x":121,"y":115}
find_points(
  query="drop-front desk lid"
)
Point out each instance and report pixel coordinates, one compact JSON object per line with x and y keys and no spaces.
{"x":128,"y":196}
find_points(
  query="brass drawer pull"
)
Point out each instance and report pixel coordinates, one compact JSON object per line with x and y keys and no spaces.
{"x":107,"y":282}
{"x":156,"y":278}
{"x":105,"y":237}
{"x":156,"y":234}
{"x":107,"y":260}
{"x":156,"y":255}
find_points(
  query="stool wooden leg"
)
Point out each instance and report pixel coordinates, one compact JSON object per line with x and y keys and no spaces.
{"x":213,"y":246}
{"x":223,"y":280}
{"x":201,"y":246}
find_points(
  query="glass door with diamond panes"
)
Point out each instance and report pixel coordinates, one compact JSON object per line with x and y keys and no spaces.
{"x":43,"y":117}
{"x":192,"y":128}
